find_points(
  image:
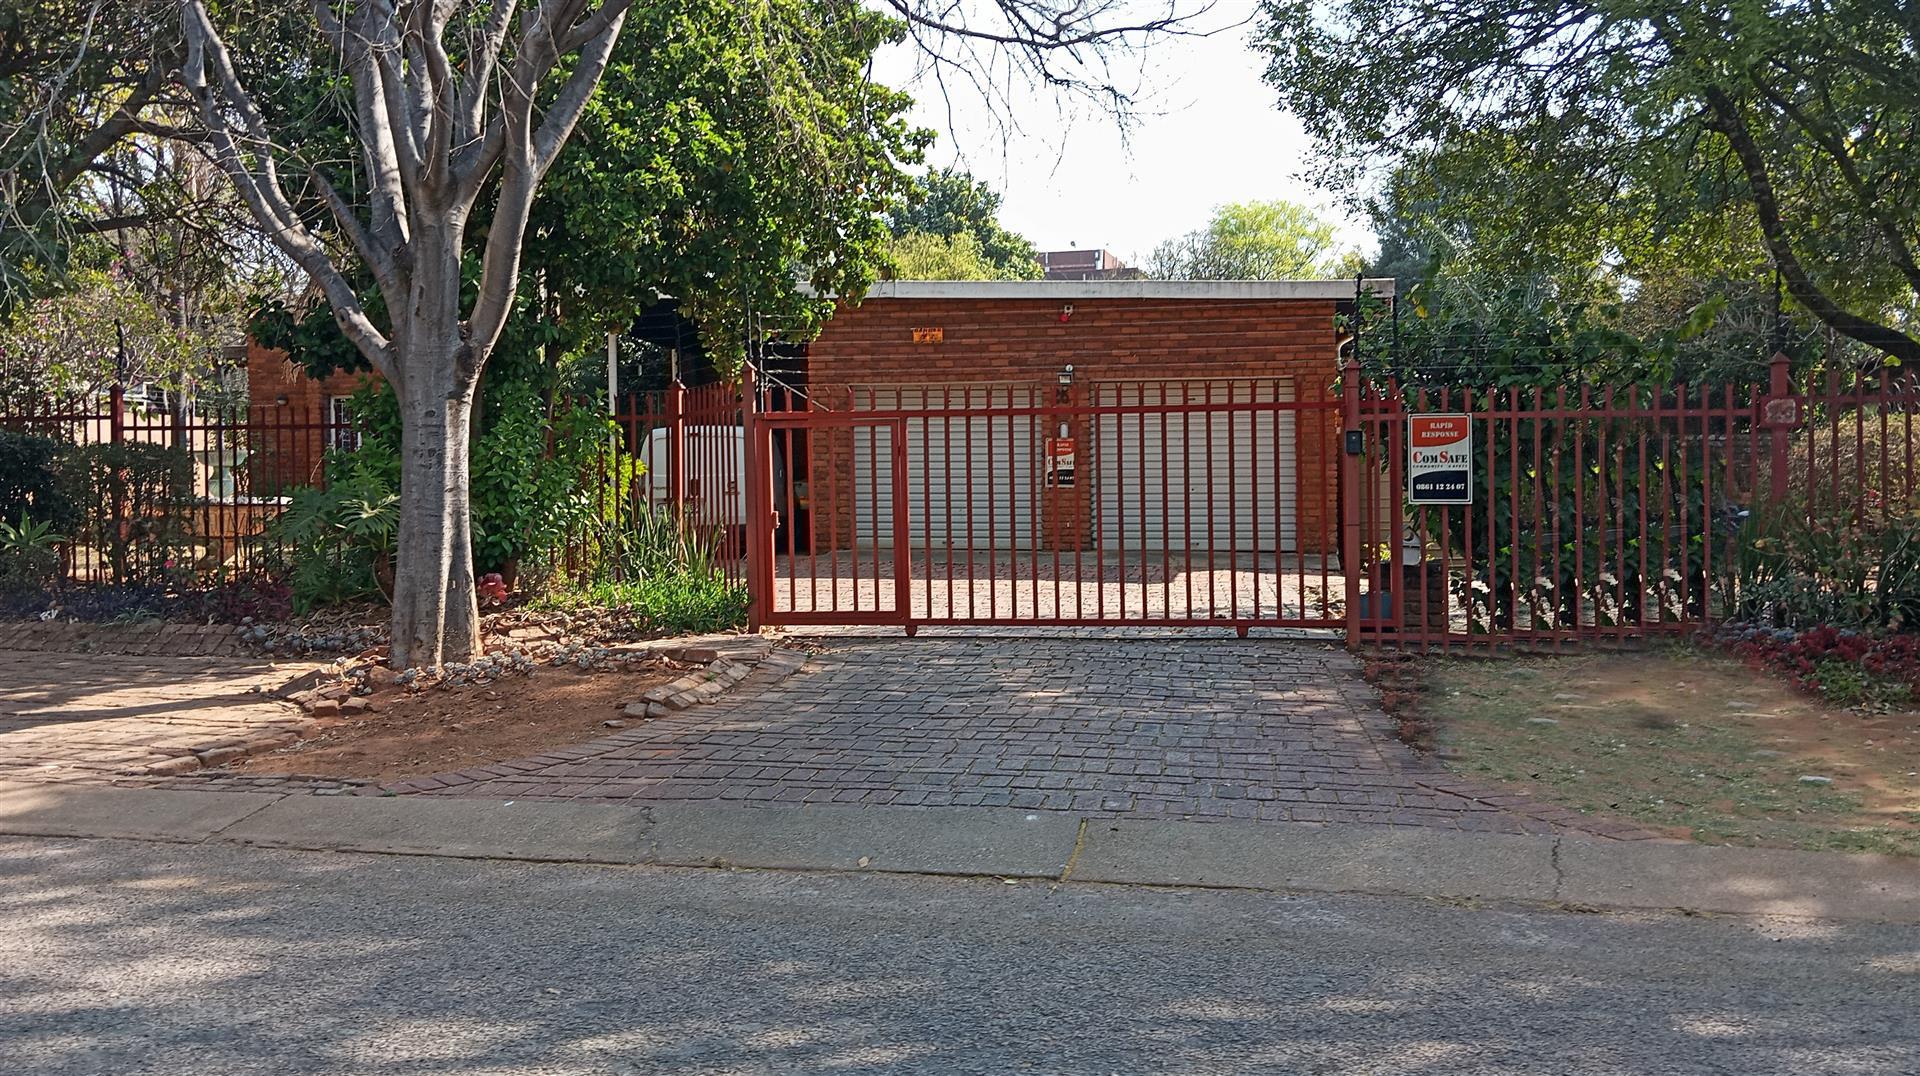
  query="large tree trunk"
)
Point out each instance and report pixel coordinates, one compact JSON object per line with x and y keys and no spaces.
{"x":436,"y":616}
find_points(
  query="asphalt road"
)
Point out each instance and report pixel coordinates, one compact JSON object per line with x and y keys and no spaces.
{"x":120,"y":957}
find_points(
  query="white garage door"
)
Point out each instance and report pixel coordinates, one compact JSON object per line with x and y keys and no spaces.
{"x":969,"y":477}
{"x":1145,"y":506}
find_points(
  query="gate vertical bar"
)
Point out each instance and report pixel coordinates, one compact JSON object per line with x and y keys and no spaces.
{"x":902,"y":533}
{"x":759,"y":495}
{"x":1350,"y":502}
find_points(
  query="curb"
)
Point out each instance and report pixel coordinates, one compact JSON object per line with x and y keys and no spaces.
{"x":1565,"y":872}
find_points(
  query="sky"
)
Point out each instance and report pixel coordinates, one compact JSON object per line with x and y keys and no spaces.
{"x":1212,"y":133}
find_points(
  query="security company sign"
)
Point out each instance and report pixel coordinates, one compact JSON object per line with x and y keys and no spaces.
{"x":1440,"y":459}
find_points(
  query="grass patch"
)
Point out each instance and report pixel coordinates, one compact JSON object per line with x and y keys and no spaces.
{"x":1692,"y":743}
{"x":668,"y":603}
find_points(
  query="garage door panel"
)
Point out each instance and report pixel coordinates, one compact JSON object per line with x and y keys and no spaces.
{"x":970,"y":478}
{"x":1200,"y":478}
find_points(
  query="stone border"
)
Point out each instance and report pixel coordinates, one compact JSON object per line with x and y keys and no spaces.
{"x":752,"y":661}
{"x":181,"y":759}
{"x":154,"y":639}
{"x":729,"y":660}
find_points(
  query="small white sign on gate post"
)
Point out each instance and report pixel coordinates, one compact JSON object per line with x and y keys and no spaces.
{"x":1440,"y":459}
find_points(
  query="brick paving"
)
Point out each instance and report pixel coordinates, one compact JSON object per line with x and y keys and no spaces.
{"x":1269,"y":730}
{"x":101,"y":717}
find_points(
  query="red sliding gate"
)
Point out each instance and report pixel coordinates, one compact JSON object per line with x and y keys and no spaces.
{"x":1150,"y":504}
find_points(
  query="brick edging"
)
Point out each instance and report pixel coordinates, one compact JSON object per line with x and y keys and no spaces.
{"x":181,"y":759}
{"x":140,"y":640}
{"x":774,"y":665}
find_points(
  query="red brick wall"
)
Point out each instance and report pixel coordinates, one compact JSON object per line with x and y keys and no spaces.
{"x":1116,"y":339}
{"x":290,"y":407}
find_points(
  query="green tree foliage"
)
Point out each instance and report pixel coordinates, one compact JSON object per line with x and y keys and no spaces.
{"x":1601,"y":141}
{"x":948,"y":203}
{"x":925,"y":256}
{"x":1275,"y":240}
{"x":98,"y":328}
{"x":75,"y":80}
{"x":678,"y":184}
{"x":681,"y":184}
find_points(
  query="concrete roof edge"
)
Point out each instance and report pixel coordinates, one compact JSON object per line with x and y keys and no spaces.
{"x":1068,"y":290}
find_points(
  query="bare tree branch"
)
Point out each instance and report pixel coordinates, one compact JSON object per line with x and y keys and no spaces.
{"x":1728,"y":120}
{"x":526,"y":157}
{"x":247,"y":158}
{"x":482,"y":53}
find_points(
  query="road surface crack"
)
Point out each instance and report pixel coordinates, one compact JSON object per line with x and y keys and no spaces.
{"x":1073,"y":858}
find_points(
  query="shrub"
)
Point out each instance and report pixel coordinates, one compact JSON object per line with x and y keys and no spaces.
{"x":680,"y":603}
{"x":29,"y":556}
{"x":664,"y":577}
{"x":1845,"y":667}
{"x":342,"y":537}
{"x":234,"y":601}
{"x":28,"y":483}
{"x":541,"y":472}
{"x":1796,"y":568}
{"x":130,"y":501}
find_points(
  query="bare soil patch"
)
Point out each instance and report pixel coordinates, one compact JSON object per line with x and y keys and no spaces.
{"x":1694,"y":743}
{"x":438,"y":730}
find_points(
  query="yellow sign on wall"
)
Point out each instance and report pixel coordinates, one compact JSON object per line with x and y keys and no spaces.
{"x":933,"y":335}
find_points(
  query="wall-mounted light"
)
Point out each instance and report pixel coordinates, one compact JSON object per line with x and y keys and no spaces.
{"x":280,"y":401}
{"x":1066,"y":374}
{"x":1066,"y":312}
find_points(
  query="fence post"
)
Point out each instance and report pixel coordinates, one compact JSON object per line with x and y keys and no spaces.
{"x":759,"y":497}
{"x":1779,"y":436}
{"x":1349,"y":480}
{"x":677,"y":447}
{"x":117,"y":416}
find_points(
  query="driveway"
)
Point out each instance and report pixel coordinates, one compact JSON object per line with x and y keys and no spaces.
{"x":1268,"y":730}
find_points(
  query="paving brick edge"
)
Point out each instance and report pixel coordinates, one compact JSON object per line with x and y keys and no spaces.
{"x":729,"y":670}
{"x":160,"y":639}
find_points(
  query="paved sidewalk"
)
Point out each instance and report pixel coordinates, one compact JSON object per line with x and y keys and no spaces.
{"x":101,"y":717}
{"x":1056,"y":847}
{"x":1257,"y":730}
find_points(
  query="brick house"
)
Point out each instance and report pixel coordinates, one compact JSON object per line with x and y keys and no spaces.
{"x":311,"y":413}
{"x":974,"y":345}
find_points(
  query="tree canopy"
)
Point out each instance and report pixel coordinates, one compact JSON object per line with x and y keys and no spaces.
{"x":925,"y":256}
{"x":1606,"y":143}
{"x":676,"y":184}
{"x":940,"y":208}
{"x":1275,"y":240}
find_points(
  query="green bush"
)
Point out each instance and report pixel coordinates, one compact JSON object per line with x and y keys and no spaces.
{"x":341,"y":538}
{"x":130,"y":504}
{"x":679,"y":603}
{"x":1796,"y":568}
{"x":662,"y":576}
{"x":29,"y":556}
{"x":27,"y":480}
{"x":536,"y":478}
